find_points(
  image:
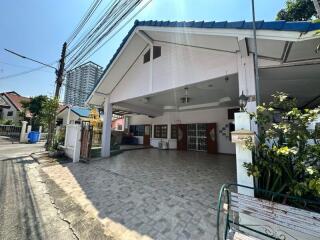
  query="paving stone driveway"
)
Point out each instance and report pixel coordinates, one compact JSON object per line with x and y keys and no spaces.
{"x":150,"y":193}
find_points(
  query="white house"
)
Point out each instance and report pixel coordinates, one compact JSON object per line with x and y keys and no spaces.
{"x":182,"y":80}
{"x":11,"y":108}
{"x":72,"y":114}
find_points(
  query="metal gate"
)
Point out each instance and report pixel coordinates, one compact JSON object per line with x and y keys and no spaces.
{"x":86,"y":140}
{"x":10,"y":132}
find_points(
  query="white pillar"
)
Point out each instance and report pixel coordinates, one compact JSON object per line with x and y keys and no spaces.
{"x":247,"y":84}
{"x":68,"y":115}
{"x":40,"y":131}
{"x":243,"y":155}
{"x":106,"y":130}
{"x":23,"y":131}
{"x":29,"y":128}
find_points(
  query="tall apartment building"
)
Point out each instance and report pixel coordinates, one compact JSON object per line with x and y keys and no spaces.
{"x":80,"y":81}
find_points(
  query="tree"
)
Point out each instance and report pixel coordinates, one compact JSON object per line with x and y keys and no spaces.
{"x":297,"y":10}
{"x":48,"y":113}
{"x":35,"y":107}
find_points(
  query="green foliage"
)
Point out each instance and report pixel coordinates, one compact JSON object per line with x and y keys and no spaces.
{"x":35,"y":107}
{"x":284,"y":159}
{"x":6,"y":122}
{"x":47,"y":114}
{"x":297,"y":10}
{"x":58,"y":139}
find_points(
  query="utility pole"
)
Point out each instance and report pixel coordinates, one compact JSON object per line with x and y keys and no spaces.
{"x":60,"y":71}
{"x":59,"y":81}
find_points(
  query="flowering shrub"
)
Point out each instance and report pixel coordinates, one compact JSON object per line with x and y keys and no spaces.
{"x":284,"y":159}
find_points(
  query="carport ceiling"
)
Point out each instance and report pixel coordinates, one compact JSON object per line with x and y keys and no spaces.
{"x":219,"y":92}
{"x":301,"y":82}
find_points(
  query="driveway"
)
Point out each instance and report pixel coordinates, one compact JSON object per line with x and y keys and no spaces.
{"x":26,"y":211}
{"x":150,"y":194}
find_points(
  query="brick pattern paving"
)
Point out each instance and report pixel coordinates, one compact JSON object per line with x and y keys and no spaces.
{"x":150,"y":193}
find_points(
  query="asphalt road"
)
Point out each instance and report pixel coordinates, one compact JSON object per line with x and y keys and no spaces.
{"x":26,"y":211}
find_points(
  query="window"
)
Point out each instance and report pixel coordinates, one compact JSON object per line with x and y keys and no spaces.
{"x":10,"y":113}
{"x":174,"y":130}
{"x":156,"y":54}
{"x":160,"y":131}
{"x":146,"y":57}
{"x":137,"y":130}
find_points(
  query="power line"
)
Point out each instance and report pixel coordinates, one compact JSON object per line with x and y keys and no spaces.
{"x":31,"y":59}
{"x":119,"y":11}
{"x":17,"y":66}
{"x":113,"y":35}
{"x":84,"y":20}
{"x":22,"y":73}
{"x":102,"y":25}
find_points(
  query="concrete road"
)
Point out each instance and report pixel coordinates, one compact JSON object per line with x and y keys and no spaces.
{"x":26,"y":210}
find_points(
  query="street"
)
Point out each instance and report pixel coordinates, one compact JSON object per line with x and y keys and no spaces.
{"x":26,"y":211}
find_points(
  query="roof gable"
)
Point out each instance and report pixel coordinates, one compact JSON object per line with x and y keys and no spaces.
{"x":302,"y":26}
{"x":15,"y":99}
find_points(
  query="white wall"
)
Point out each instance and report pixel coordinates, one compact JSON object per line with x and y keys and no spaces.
{"x":64,"y":116}
{"x":15,"y":116}
{"x":219,"y":116}
{"x":176,"y":67}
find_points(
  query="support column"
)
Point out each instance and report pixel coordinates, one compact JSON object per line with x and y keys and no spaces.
{"x":242,"y":122}
{"x":247,"y":85}
{"x":106,"y":130}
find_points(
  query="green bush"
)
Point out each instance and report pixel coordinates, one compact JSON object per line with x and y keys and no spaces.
{"x":284,"y":160}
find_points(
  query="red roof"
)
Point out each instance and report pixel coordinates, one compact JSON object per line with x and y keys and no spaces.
{"x":15,"y":99}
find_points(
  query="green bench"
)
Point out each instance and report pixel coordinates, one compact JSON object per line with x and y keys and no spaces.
{"x":268,"y":219}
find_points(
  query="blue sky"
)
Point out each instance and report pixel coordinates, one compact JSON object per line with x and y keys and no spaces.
{"x":37,"y":28}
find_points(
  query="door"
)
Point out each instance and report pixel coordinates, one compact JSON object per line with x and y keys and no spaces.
{"x":146,"y":136}
{"x":197,"y":137}
{"x":86,"y":140}
{"x":212,"y":138}
{"x":182,"y":139}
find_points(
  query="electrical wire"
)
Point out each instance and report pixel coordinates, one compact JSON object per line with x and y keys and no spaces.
{"x":90,"y":30}
{"x":120,"y":11}
{"x":113,"y":35}
{"x":117,"y":10}
{"x":84,"y":20}
{"x":23,"y":73}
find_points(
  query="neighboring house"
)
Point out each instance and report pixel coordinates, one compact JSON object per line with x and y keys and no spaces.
{"x":11,"y":107}
{"x":80,"y":82}
{"x":118,"y":123}
{"x":75,"y":115}
{"x":183,"y":79}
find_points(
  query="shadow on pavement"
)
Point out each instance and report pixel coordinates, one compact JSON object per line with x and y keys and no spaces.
{"x":19,"y":213}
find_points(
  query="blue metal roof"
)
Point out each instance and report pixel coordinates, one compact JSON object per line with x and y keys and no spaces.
{"x":81,"y":111}
{"x":302,"y":26}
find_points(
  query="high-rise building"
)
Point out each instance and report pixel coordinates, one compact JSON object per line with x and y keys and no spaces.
{"x":80,"y":81}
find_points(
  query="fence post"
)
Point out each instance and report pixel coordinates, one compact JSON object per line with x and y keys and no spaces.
{"x":40,"y":131}
{"x":23,"y":131}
